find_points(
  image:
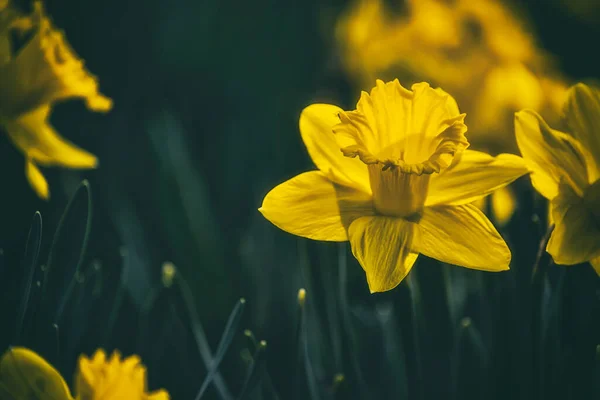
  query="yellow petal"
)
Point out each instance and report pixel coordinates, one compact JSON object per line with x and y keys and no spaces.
{"x":596,"y":264}
{"x":159,"y":395}
{"x":463,"y":236}
{"x":554,"y":155}
{"x":382,"y":246}
{"x":32,"y":134}
{"x":582,"y":112}
{"x":311,"y":206}
{"x":576,"y":235}
{"x":36,"y":180}
{"x":476,"y":175}
{"x":26,"y":375}
{"x":113,"y":378}
{"x":316,"y":127}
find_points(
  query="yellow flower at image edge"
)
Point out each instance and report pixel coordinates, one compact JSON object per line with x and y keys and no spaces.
{"x":25,"y":375}
{"x":566,"y":171}
{"x":395,"y":180}
{"x":101,"y":378}
{"x":45,"y":70}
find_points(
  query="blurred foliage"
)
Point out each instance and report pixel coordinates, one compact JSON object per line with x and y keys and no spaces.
{"x":206,"y":103}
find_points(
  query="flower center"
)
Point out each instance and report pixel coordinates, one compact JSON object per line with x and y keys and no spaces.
{"x":397,"y":193}
{"x":399,"y":174}
{"x":403,"y":136}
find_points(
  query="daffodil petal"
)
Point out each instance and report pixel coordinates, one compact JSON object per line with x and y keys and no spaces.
{"x":25,"y":374}
{"x":36,"y":180}
{"x":463,"y":236}
{"x":554,"y":154}
{"x":582,"y":112}
{"x":32,"y":134}
{"x":576,"y":235}
{"x":382,"y":246}
{"x":595,"y":262}
{"x":316,"y":127}
{"x":311,"y":206}
{"x":476,"y":175}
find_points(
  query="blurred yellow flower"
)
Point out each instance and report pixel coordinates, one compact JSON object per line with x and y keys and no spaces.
{"x":43,"y":71}
{"x":394,"y":181}
{"x":476,"y":49}
{"x":566,"y":171}
{"x":100,"y":378}
{"x":25,"y":375}
{"x":502,"y":204}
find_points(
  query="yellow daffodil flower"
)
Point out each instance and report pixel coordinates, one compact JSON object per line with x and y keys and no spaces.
{"x":394,"y":180}
{"x":100,"y":378}
{"x":566,"y":171}
{"x":43,"y":71}
{"x":478,"y":50}
{"x":25,"y":375}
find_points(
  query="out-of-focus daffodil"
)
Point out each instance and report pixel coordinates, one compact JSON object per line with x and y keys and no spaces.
{"x":25,"y":375}
{"x":43,"y":71}
{"x":476,"y":49}
{"x":566,"y":171}
{"x":102,"y":378}
{"x":394,"y":181}
{"x":502,"y":204}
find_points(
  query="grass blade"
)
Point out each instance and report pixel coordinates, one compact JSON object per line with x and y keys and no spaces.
{"x":253,"y":373}
{"x":32,"y":251}
{"x":197,"y":329}
{"x":226,"y":338}
{"x":59,"y":284}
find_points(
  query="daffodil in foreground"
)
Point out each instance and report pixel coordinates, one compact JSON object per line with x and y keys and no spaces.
{"x":566,"y":171}
{"x":395,"y":180}
{"x":43,"y":71}
{"x":25,"y":375}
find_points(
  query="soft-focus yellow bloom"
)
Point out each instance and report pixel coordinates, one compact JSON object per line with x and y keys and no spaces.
{"x":566,"y":171}
{"x":100,"y":378}
{"x":502,"y":204}
{"x":476,"y":49}
{"x":25,"y":375}
{"x":394,"y":181}
{"x":43,"y":71}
